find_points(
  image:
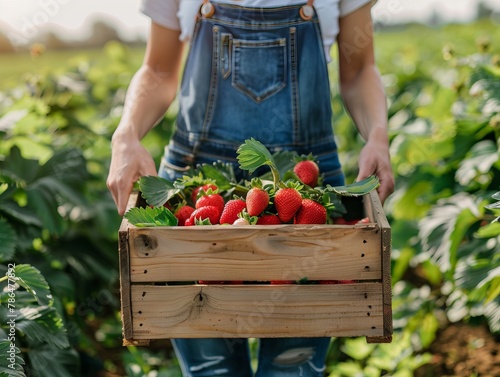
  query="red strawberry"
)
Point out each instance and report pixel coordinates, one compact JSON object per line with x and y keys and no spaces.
{"x":208,"y":212}
{"x":287,"y":201}
{"x":308,"y":172}
{"x":231,"y":210}
{"x":183,"y":213}
{"x":257,"y":198}
{"x":196,"y":191}
{"x":268,"y":219}
{"x":310,"y":212}
{"x":211,"y":200}
{"x":347,"y":281}
{"x":188,"y":222}
{"x":281,"y":282}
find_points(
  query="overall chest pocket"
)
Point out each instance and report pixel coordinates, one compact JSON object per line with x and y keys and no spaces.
{"x":259,"y":67}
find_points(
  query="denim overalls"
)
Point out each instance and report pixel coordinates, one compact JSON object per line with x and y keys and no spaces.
{"x":261,"y":73}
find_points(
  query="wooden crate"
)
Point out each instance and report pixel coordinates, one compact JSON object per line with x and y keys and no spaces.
{"x":158,"y":267}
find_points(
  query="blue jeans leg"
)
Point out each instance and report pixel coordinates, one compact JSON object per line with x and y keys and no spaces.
{"x":292,"y":357}
{"x":213,"y":357}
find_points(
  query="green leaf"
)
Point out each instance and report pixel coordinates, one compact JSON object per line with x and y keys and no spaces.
{"x":472,"y":274}
{"x":25,"y":215}
{"x":8,"y":240}
{"x":7,"y":368}
{"x":359,"y":188}
{"x":252,"y":154}
{"x":33,"y":281}
{"x":358,"y":348}
{"x":44,"y":325}
{"x":492,"y":314}
{"x":443,"y":229}
{"x":489,"y":231}
{"x":480,"y":159}
{"x":48,"y":361}
{"x":149,"y":217}
{"x":19,"y":168}
{"x":156,"y":190}
{"x":221,"y":173}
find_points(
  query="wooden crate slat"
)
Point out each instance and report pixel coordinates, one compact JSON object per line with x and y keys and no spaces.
{"x":193,"y":311}
{"x":323,"y":252}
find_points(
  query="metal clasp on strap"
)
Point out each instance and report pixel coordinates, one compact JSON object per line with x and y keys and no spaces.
{"x":207,"y":9}
{"x":307,"y":11}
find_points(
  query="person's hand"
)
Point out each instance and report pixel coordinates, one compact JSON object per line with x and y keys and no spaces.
{"x":129,"y":161}
{"x":374,"y":159}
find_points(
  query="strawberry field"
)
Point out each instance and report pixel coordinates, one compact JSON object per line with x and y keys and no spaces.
{"x":58,"y":241}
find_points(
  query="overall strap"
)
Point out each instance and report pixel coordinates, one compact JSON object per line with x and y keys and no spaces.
{"x":306,"y":12}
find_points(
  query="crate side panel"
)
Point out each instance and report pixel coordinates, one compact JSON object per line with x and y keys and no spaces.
{"x":374,"y":206}
{"x":255,"y":253}
{"x":257,"y":311}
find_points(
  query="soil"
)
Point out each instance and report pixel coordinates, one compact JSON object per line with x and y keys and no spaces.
{"x":462,"y":350}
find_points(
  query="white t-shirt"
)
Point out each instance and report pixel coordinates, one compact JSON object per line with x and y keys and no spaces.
{"x":181,"y":14}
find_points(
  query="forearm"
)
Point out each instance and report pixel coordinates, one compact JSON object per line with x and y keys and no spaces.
{"x":364,"y":97}
{"x":149,"y":95}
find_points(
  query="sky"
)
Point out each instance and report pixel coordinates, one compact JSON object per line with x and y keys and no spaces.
{"x":72,"y":18}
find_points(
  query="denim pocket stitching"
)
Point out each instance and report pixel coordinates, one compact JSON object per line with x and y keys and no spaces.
{"x":240,"y":84}
{"x":225,"y":56}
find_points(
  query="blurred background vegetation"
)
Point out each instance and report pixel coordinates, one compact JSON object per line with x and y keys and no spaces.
{"x":58,"y":224}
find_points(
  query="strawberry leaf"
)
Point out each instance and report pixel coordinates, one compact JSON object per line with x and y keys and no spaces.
{"x":148,"y":217}
{"x":156,"y":190}
{"x":359,"y":188}
{"x":221,"y":173}
{"x":252,"y":154}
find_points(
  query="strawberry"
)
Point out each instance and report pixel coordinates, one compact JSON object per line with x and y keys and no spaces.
{"x":287,"y":201}
{"x":257,"y":198}
{"x":188,"y":222}
{"x":183,"y":213}
{"x":268,"y":219}
{"x":347,"y":281}
{"x":206,"y":187}
{"x":308,"y":172}
{"x":337,"y":282}
{"x":281,"y":282}
{"x":241,"y":221}
{"x":209,"y":213}
{"x":231,"y":211}
{"x":210,"y":200}
{"x":310,"y":212}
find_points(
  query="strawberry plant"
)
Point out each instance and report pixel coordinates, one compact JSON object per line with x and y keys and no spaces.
{"x":212,"y":204}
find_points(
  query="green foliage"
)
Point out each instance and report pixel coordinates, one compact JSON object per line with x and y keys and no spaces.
{"x":444,"y":134}
{"x":58,"y":222}
{"x":147,"y":217}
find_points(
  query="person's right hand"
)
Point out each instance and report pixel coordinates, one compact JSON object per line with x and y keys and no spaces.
{"x":129,"y":161}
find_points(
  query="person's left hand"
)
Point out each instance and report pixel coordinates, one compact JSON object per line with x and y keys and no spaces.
{"x":374,"y":159}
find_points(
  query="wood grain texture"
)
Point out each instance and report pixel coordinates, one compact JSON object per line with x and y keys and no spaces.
{"x":377,"y":211}
{"x":194,"y":311}
{"x":252,"y":253}
{"x":124,"y":267}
